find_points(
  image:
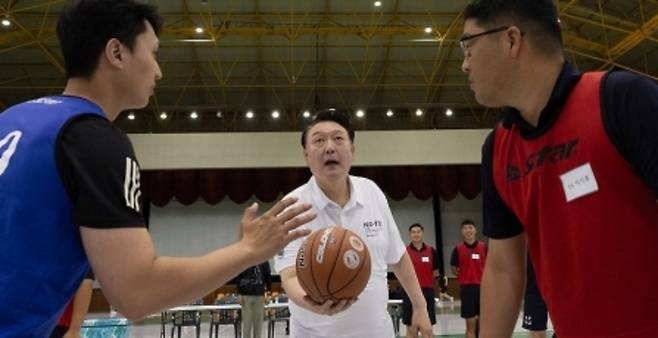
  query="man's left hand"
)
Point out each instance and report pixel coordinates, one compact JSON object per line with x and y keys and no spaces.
{"x":420,"y":323}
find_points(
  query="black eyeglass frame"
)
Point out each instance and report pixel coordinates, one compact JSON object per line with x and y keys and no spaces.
{"x":462,"y":40}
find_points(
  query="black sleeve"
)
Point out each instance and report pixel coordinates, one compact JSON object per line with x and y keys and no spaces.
{"x":267,"y":276}
{"x":630,"y":117}
{"x":98,"y":167}
{"x":454,"y":258}
{"x":499,"y":220}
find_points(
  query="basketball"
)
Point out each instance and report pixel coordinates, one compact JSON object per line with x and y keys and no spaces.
{"x":333,"y":264}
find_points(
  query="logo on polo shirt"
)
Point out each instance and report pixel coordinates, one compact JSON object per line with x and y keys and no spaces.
{"x":372,"y":228}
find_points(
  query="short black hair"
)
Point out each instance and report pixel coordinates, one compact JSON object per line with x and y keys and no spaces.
{"x":416,"y":225}
{"x":331,"y":115}
{"x":85,"y":27}
{"x":467,"y":222}
{"x":538,"y":18}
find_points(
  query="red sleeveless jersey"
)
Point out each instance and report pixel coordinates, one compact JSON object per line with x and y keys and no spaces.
{"x":591,"y":223}
{"x":67,"y":315}
{"x":471,"y":263}
{"x":423,"y":262}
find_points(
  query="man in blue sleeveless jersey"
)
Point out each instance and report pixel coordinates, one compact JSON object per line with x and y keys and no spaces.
{"x":571,"y":172}
{"x":70,"y":186}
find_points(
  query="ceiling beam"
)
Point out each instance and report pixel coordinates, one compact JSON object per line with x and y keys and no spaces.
{"x":633,"y":39}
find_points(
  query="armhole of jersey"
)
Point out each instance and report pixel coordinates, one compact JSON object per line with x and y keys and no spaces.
{"x":605,"y":111}
{"x":491,"y":166}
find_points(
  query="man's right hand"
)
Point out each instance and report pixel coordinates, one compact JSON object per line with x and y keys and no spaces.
{"x":328,"y":308}
{"x":296,"y":294}
{"x":269,"y":233}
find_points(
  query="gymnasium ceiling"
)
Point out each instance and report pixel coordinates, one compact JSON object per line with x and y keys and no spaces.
{"x":295,"y":55}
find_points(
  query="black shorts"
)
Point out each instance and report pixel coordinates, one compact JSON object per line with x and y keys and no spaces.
{"x":470,"y":299}
{"x":407,"y":311}
{"x":535,"y":315}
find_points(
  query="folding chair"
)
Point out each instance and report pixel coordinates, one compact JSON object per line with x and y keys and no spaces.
{"x":225,"y":317}
{"x":182,"y":319}
{"x":281,"y":314}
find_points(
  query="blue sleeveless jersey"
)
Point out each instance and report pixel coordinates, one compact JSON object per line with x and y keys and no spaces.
{"x":42,"y":261}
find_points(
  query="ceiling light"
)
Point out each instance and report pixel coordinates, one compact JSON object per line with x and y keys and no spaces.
{"x":194,"y":115}
{"x":131,"y":116}
{"x":378,"y":3}
{"x":419,"y":112}
{"x":428,"y":30}
{"x":389,"y":113}
{"x":249,"y":114}
{"x":195,"y":40}
{"x":306,"y":114}
{"x":163,"y":116}
{"x":199,"y":30}
{"x":6,"y":22}
{"x":360,"y":113}
{"x":449,"y":112}
{"x":275,"y":114}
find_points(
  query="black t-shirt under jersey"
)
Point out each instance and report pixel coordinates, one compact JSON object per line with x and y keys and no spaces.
{"x":99,"y":170}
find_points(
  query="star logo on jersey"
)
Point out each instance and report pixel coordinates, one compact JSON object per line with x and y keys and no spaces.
{"x":549,"y":154}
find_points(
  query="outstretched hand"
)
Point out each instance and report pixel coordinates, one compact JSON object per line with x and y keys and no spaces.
{"x":269,"y":233}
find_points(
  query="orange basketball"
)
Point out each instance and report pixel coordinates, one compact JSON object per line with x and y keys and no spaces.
{"x":333,"y":264}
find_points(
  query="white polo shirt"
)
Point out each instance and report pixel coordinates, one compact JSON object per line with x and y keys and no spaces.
{"x":367,"y":214}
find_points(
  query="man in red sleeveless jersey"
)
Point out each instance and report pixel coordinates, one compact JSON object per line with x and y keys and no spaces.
{"x":571,"y":173}
{"x":467,"y":261}
{"x":426,"y":265}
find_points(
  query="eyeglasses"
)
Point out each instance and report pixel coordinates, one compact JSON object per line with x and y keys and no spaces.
{"x":462,"y":41}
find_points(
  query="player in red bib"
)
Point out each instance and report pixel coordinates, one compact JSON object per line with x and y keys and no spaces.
{"x":467,"y":261}
{"x":571,"y":174}
{"x":426,"y":265}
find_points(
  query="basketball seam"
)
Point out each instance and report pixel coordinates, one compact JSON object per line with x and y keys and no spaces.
{"x":333,"y":267}
{"x":355,"y":275}
{"x":317,"y":288}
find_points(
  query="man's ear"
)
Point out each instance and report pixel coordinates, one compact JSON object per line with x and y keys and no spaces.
{"x":114,"y":53}
{"x":514,"y":39}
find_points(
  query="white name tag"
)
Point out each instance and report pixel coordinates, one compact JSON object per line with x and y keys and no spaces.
{"x":425,"y":259}
{"x":475,"y":256}
{"x":579,"y":182}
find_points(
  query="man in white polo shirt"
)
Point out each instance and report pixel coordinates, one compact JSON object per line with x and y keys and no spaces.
{"x":359,"y":205}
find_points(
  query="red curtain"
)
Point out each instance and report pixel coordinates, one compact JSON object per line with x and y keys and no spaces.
{"x":213,"y":185}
